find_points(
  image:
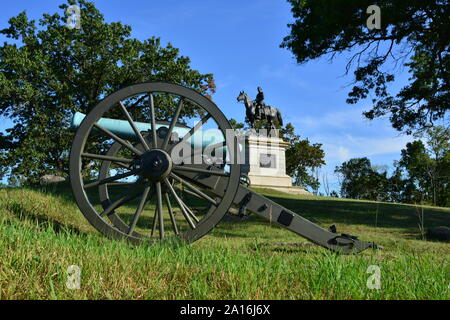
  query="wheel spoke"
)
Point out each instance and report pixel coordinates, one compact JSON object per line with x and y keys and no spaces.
{"x":155,"y":218}
{"x":153,"y":122}
{"x":194,"y":189}
{"x":189,"y":211}
{"x":171,"y":215}
{"x":190,"y":193}
{"x":137,"y":102}
{"x":180,"y":204}
{"x":109,"y":179}
{"x":123,"y":198}
{"x":108,"y":158}
{"x":118,"y":139}
{"x":119,"y":184}
{"x":198,"y":170}
{"x":172,"y":124}
{"x":160,"y":209}
{"x":133,"y":126}
{"x":194,"y":195}
{"x":123,"y":165}
{"x":195,"y":128}
{"x":139,"y":210}
{"x":202,"y":151}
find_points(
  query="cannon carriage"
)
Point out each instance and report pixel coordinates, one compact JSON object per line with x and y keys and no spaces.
{"x":136,"y":178}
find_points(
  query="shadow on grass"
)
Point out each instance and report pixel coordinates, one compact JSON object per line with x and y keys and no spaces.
{"x":61,"y":190}
{"x":24,"y":214}
{"x":289,"y":247}
{"x":385,"y":215}
{"x":323,"y":212}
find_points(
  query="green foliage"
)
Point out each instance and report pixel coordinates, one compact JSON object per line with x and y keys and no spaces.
{"x":302,"y":158}
{"x":334,"y":194}
{"x":422,"y":175}
{"x":236,"y":125}
{"x":427,"y":168}
{"x":361,"y":181}
{"x":413,"y":33}
{"x":49,"y":71}
{"x":3,"y":170}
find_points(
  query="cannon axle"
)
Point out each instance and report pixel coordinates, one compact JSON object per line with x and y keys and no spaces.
{"x":155,"y":164}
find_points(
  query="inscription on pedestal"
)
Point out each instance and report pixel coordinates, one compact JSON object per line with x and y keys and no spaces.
{"x":267,"y":160}
{"x":265,"y":165}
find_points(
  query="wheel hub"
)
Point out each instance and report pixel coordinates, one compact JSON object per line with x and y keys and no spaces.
{"x":156,"y":164}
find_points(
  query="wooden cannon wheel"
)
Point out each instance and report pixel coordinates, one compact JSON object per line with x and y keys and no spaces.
{"x":101,"y":160}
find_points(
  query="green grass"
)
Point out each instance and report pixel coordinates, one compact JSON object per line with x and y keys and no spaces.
{"x":42,"y":233}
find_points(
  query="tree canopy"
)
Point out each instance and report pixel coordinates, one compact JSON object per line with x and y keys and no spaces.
{"x":427,"y":167}
{"x":413,"y":34}
{"x":48,"y":71}
{"x":302,"y":158}
{"x":360,"y":180}
{"x":422,"y":175}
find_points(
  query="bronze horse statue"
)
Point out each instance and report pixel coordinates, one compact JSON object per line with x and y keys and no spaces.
{"x":265,"y":112}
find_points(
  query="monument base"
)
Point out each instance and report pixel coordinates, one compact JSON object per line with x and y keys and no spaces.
{"x":298,"y":191}
{"x":265,"y":164}
{"x":272,"y":180}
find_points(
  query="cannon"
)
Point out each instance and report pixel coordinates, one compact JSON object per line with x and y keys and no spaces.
{"x":141,"y":179}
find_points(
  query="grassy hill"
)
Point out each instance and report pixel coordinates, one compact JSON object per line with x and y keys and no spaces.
{"x":42,"y":233}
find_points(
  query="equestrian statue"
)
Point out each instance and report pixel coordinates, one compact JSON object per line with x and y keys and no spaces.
{"x":258,"y":110}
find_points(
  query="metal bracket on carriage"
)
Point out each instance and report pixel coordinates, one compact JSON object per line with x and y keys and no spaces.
{"x":347,"y":240}
{"x":243,"y":205}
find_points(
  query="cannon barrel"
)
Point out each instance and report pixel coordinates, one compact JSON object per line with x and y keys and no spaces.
{"x":123,"y":129}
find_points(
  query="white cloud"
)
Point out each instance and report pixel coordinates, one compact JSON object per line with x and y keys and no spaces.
{"x":339,"y":148}
{"x":342,"y":153}
{"x":342,"y":147}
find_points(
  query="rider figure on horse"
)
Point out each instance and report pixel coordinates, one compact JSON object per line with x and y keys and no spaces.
{"x":259,"y":102}
{"x":258,"y":110}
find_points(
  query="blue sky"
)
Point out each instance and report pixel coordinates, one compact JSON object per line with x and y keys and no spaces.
{"x":238,"y":41}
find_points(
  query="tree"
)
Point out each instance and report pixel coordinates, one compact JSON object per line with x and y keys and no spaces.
{"x":414,"y":162}
{"x":51,"y":71}
{"x":427,"y":168}
{"x":438,"y":142}
{"x":302,"y":158}
{"x":236,"y":125}
{"x":3,"y":170}
{"x":400,"y":189}
{"x":361,"y":181}
{"x":334,"y":194}
{"x":413,"y":33}
{"x":422,"y":175}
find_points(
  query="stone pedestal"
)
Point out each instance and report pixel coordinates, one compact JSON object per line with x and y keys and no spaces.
{"x":265,"y":164}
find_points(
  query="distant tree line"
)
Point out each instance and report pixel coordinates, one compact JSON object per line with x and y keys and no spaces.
{"x":422,"y":175}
